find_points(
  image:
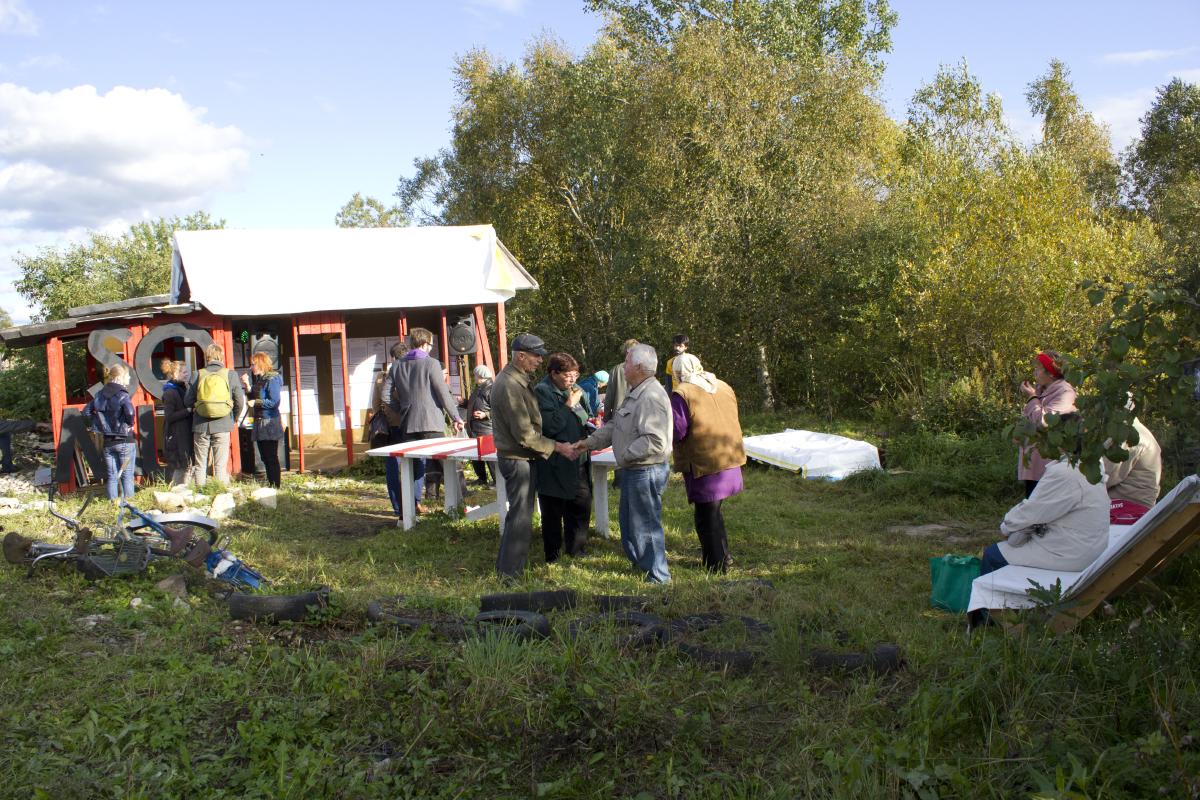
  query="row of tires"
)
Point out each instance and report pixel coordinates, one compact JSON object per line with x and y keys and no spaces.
{"x":522,"y":615}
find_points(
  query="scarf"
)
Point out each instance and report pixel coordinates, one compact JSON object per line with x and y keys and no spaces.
{"x":688,"y":369}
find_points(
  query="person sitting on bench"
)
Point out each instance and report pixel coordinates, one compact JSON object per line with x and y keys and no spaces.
{"x":1063,"y":525}
{"x":1133,"y":484}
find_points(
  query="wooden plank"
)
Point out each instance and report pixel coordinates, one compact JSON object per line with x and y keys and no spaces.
{"x":481,"y":335}
{"x":1144,"y":556}
{"x":445,"y":348}
{"x":57,"y":378}
{"x":501,"y":337}
{"x":224,"y":336}
{"x":298,"y":420}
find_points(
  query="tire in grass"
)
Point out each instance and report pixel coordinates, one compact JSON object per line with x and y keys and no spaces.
{"x":276,"y":608}
{"x":521,"y":624}
{"x":622,"y":602}
{"x":646,"y":629}
{"x":736,"y":662}
{"x":411,"y":621}
{"x":540,"y":602}
{"x":882,"y":660}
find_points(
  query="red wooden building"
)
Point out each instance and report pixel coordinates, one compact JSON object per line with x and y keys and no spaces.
{"x":326,"y":303}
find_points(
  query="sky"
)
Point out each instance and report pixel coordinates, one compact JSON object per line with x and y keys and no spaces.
{"x":272,"y":114}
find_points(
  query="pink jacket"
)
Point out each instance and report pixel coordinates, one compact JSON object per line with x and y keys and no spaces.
{"x":1057,"y":398}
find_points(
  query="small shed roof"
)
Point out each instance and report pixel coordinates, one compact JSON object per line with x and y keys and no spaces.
{"x":275,"y":272}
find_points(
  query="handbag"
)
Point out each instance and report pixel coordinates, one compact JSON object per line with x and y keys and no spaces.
{"x":379,"y":425}
{"x":951,"y":577}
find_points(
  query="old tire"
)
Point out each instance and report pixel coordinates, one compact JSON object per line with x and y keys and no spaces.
{"x":276,"y":608}
{"x":609,"y":603}
{"x":737,"y":662}
{"x":541,"y":602}
{"x":883,"y":659}
{"x":446,"y":628}
{"x":645,"y":629}
{"x":521,"y":624}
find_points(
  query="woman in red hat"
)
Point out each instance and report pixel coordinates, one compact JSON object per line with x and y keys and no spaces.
{"x":1049,"y":393}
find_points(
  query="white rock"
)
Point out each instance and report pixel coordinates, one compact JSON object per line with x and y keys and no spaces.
{"x":9,"y":502}
{"x":222,"y":505}
{"x":267,"y":496}
{"x":135,"y":602}
{"x":168,"y":501}
{"x":8,"y":512}
{"x":153,"y":512}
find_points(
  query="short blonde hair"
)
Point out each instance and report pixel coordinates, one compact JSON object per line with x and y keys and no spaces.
{"x":214,"y":352}
{"x":117,"y":373}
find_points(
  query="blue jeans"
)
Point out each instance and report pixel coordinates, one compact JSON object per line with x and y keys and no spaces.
{"x":992,"y":559}
{"x":640,"y":515}
{"x":119,"y":459}
{"x":392,"y":472}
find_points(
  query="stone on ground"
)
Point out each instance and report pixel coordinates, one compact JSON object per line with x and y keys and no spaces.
{"x":169,"y":501}
{"x":266,"y":496}
{"x":222,"y":505}
{"x":174,"y":586}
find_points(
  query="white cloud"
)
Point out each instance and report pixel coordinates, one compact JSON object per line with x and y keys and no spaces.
{"x":16,"y":18}
{"x":77,"y":160}
{"x":1189,"y":75}
{"x":1122,"y":113}
{"x":505,"y":6}
{"x":77,"y":157}
{"x":1143,"y":56}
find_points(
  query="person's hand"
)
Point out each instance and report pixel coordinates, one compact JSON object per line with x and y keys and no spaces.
{"x":574,"y":396}
{"x":566,"y":450}
{"x":1028,"y":389}
{"x":250,"y":403}
{"x":478,"y":414}
{"x":581,"y":446}
{"x":457,"y":425}
{"x":245,"y":380}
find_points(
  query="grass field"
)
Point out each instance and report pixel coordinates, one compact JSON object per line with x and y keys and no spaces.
{"x":163,"y":701}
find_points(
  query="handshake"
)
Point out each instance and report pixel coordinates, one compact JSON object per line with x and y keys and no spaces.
{"x":571,"y":451}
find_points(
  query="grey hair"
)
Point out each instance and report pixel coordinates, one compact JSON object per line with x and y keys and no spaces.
{"x":643,"y":355}
{"x":482,"y":373}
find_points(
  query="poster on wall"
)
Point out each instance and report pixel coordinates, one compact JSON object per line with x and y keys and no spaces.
{"x":309,"y":399}
{"x":365,"y":359}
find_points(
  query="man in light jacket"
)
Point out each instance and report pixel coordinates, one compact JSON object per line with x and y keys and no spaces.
{"x":420,"y":400}
{"x":640,"y":433}
{"x":517,"y":431}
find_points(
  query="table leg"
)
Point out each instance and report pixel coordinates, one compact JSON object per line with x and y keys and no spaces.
{"x":600,"y":499}
{"x":407,"y":501}
{"x":450,"y":487}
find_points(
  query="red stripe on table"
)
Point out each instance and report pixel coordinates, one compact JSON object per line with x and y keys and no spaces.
{"x":415,"y":448}
{"x":448,"y":453}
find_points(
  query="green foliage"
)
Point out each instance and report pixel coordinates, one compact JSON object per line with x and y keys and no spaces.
{"x":367,"y":212}
{"x":104,"y":268}
{"x":23,"y":382}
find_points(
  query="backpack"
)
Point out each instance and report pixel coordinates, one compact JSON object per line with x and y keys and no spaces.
{"x":213,"y":398}
{"x":105,"y":416}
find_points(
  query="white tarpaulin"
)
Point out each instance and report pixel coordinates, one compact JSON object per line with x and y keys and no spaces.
{"x":263,"y":273}
{"x":1008,"y":587}
{"x":817,"y":455}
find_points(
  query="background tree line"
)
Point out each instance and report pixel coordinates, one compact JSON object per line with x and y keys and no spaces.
{"x":725,"y":168}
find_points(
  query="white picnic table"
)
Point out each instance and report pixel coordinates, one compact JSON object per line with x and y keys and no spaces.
{"x":458,"y":450}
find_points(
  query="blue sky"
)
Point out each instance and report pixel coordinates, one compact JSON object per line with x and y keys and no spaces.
{"x":272,"y":114}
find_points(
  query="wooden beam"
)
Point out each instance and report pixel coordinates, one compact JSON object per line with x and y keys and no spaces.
{"x":57,"y":378}
{"x":225,"y":336}
{"x":346,"y":398}
{"x":501,"y":337}
{"x":481,"y":336}
{"x":298,"y":418}
{"x":445,"y":348}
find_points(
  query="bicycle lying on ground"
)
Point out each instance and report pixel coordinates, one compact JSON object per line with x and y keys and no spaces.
{"x":129,"y":546}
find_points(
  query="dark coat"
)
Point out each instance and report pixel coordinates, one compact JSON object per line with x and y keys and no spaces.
{"x":177,"y":426}
{"x":558,"y":476}
{"x":480,"y":400}
{"x":419,"y":394}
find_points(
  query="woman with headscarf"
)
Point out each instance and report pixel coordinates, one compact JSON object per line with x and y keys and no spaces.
{"x":479,"y":417}
{"x":264,"y":403}
{"x":1048,"y":393}
{"x":177,"y":421}
{"x":708,"y":451}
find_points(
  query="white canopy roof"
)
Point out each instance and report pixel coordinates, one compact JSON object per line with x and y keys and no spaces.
{"x":261,"y":273}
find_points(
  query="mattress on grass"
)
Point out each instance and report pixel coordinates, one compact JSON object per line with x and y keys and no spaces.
{"x":815,"y":455}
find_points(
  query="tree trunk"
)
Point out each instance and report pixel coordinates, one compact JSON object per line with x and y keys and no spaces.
{"x":764,"y":379}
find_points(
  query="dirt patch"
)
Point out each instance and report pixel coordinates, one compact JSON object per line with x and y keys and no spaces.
{"x":358,"y":526}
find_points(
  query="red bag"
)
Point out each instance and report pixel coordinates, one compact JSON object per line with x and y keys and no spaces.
{"x":1125,"y":512}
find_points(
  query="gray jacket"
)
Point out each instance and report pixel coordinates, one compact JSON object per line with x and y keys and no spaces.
{"x":416,"y":392}
{"x":221,"y":424}
{"x":640,"y":430}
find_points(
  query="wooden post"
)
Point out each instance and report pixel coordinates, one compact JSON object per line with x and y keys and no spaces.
{"x":298,"y":419}
{"x":346,"y":397}
{"x":57,"y":378}
{"x":481,"y":337}
{"x":501,"y":337}
{"x":445,"y":349}
{"x":403,"y":323}
{"x":235,"y":450}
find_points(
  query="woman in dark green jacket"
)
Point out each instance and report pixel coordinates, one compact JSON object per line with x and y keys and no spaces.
{"x":564,"y":486}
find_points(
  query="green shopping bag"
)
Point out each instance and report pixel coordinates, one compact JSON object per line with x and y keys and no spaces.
{"x":952,"y":576}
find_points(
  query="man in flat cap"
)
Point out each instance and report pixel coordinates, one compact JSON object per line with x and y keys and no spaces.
{"x":517,"y":429}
